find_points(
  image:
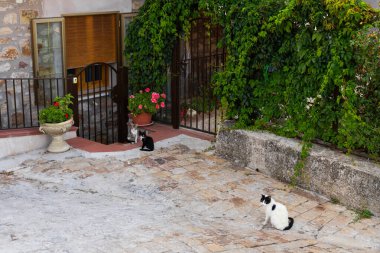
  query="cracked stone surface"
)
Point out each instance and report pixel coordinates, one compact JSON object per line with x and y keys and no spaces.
{"x":174,"y":199}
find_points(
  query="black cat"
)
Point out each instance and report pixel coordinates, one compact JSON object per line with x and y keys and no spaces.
{"x":148,"y":144}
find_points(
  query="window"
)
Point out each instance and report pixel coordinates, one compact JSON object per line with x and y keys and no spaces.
{"x":93,"y":73}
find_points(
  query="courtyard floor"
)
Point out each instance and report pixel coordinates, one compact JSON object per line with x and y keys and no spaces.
{"x":179,"y":198}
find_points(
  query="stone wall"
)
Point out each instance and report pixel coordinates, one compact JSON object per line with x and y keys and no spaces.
{"x":15,"y":34}
{"x":98,"y":119}
{"x":15,"y":37}
{"x":351,"y":180}
{"x":16,"y":59}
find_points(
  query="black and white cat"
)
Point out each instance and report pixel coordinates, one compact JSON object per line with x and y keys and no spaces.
{"x":277,"y":213}
{"x":148,"y":143}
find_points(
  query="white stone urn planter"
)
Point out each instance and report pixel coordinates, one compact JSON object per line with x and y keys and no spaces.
{"x":56,"y":131}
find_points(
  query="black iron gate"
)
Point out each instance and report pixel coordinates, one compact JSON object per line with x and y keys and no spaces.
{"x":100,"y":103}
{"x":197,"y":60}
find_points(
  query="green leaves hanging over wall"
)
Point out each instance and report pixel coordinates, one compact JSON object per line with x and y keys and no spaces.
{"x":301,"y":68}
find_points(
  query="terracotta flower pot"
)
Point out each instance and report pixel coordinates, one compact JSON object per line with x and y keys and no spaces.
{"x":142,"y":119}
{"x":56,"y":131}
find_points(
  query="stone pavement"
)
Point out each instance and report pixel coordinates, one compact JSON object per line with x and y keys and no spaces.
{"x":174,"y":199}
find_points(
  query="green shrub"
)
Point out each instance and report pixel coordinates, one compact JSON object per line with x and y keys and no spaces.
{"x":299,"y":68}
{"x":200,"y":104}
{"x":150,"y":40}
{"x":291,"y":68}
{"x":362,"y":214}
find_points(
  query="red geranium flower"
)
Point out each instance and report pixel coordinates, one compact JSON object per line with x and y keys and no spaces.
{"x":56,"y":104}
{"x":66,"y":116}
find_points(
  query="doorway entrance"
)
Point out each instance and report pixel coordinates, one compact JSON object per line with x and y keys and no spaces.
{"x":196,"y":60}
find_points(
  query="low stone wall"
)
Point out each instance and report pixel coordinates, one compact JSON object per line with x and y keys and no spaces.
{"x":18,"y":141}
{"x":352,"y":180}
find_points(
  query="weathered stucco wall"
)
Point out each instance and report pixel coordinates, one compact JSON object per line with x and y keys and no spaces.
{"x":55,"y":8}
{"x":353,"y":181}
{"x":373,"y":3}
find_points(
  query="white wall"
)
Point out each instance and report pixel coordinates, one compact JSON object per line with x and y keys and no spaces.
{"x":55,"y":8}
{"x":373,"y":3}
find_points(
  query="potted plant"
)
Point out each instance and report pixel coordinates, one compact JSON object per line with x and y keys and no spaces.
{"x":143,"y":104}
{"x":55,"y":120}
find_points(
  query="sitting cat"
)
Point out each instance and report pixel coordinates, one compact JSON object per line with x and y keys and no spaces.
{"x":135,"y":133}
{"x":277,"y":213}
{"x":147,"y":141}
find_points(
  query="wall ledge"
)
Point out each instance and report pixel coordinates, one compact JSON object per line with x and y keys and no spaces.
{"x":352,"y":180}
{"x":18,"y":141}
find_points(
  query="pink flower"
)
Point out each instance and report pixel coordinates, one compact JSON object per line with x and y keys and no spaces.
{"x":163,"y":95}
{"x":154,"y":100}
{"x":141,"y":91}
{"x":147,"y":89}
{"x":140,"y":107}
{"x":162,"y":104}
{"x":157,"y":106}
{"x":155,"y":95}
{"x":131,"y":96}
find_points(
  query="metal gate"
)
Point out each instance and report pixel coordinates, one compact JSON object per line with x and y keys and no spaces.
{"x":197,"y":60}
{"x":100,"y":104}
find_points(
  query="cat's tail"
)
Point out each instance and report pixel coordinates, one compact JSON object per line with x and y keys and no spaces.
{"x":291,"y":221}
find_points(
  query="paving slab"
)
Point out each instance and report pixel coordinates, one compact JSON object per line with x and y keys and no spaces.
{"x":179,"y":198}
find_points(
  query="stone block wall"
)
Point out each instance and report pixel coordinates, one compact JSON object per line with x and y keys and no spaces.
{"x":16,"y":61}
{"x":15,"y":37}
{"x":351,"y":180}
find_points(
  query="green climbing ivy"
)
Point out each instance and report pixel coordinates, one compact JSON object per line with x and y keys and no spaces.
{"x":292,"y":69}
{"x":150,"y":39}
{"x":299,"y":68}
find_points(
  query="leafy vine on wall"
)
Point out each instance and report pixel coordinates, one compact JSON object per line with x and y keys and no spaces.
{"x":150,"y":39}
{"x":299,"y":68}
